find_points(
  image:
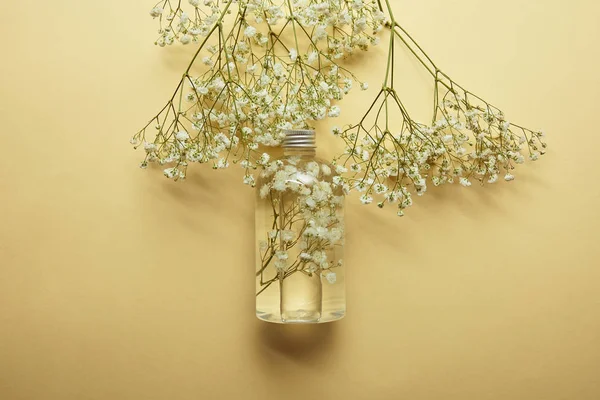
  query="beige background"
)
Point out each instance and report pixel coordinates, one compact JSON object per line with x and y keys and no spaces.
{"x":118,"y":284}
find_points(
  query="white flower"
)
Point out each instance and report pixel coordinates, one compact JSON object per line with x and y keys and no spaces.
{"x":340,"y":169}
{"x":281,"y":261}
{"x":288,"y":235}
{"x":331,"y":277}
{"x":149,"y":147}
{"x":250,"y":31}
{"x":185,"y":39}
{"x":184,"y":18}
{"x":380,"y":188}
{"x":335,"y":235}
{"x":264,"y":159}
{"x":305,"y":256}
{"x":280,"y":265}
{"x":182,"y":136}
{"x":222,"y":163}
{"x":310,"y":202}
{"x":319,"y":257}
{"x":280,"y":180}
{"x":366,"y":199}
{"x":360,"y":25}
{"x":355,"y":168}
{"x":334,"y":112}
{"x":326,"y":170}
{"x":312,"y":57}
{"x":264,"y":191}
{"x":203,"y":90}
{"x":174,"y":173}
{"x":156,"y":12}
{"x":293,"y":55}
{"x":249,"y":180}
{"x":321,"y":232}
{"x":509,"y":177}
{"x":364,"y":86}
{"x":195,"y":3}
{"x":312,"y":169}
{"x":465,"y":182}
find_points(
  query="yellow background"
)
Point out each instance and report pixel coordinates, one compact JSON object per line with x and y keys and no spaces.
{"x":116,"y":283}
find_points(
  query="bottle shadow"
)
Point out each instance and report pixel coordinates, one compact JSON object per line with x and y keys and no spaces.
{"x":298,"y":342}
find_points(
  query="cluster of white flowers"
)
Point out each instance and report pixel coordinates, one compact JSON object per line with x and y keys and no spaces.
{"x":179,"y":24}
{"x":305,"y":239}
{"x":469,"y":141}
{"x":279,"y":66}
{"x":258,"y":80}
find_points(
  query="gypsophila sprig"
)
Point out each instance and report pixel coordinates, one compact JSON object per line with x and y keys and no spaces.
{"x":269,"y":65}
{"x":391,"y":156}
{"x":277,"y":67}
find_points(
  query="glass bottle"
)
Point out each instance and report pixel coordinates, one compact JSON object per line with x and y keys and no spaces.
{"x":300,"y":235}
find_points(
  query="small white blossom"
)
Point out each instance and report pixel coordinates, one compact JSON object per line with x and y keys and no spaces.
{"x":182,"y":136}
{"x":465,"y":182}
{"x":250,"y":31}
{"x":305,"y":256}
{"x":288,"y":235}
{"x":264,"y":191}
{"x":222,"y":163}
{"x":150,"y":147}
{"x":249,"y":180}
{"x":366,"y":199}
{"x":156,"y":12}
{"x":330,"y":276}
{"x":340,"y":169}
{"x":334,"y":112}
{"x":380,"y":188}
{"x":184,"y":18}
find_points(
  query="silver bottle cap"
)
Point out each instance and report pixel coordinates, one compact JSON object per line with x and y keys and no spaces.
{"x":299,"y":138}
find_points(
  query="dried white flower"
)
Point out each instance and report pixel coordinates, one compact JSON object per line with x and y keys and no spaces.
{"x":330,"y":276}
{"x":250,"y":31}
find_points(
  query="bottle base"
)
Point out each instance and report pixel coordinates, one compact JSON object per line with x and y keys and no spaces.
{"x":301,"y":317}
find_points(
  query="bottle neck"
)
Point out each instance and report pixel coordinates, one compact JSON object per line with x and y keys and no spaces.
{"x":299,"y":152}
{"x":299,"y":143}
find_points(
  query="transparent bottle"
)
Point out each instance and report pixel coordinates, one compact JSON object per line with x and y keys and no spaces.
{"x":300,"y":235}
